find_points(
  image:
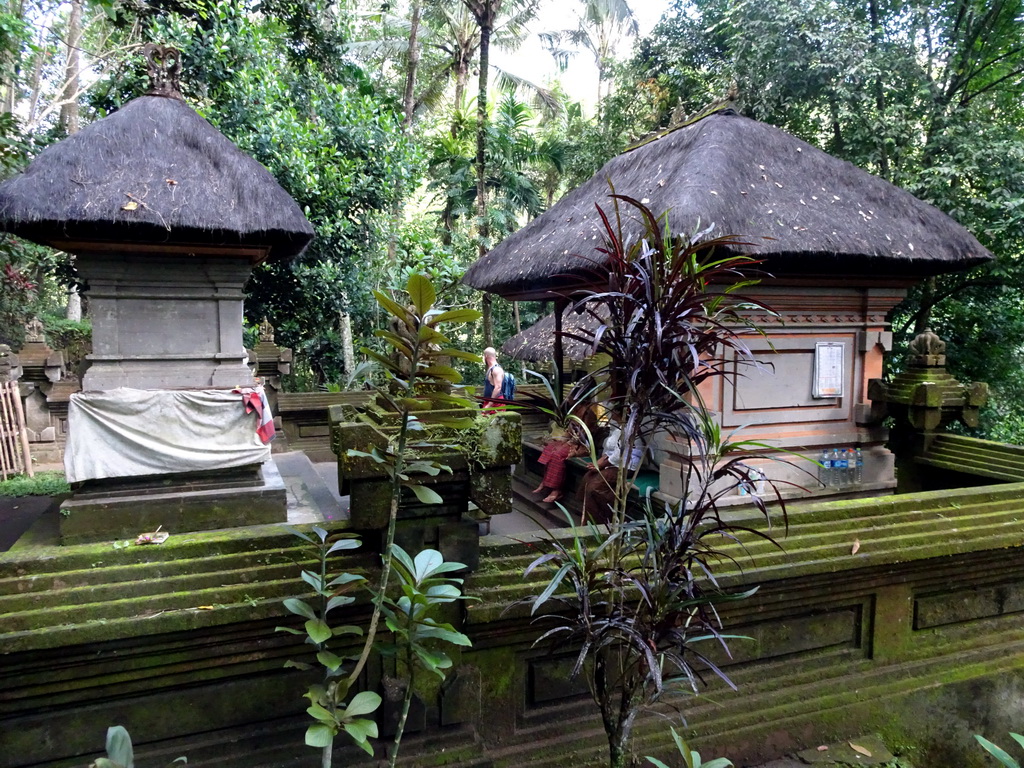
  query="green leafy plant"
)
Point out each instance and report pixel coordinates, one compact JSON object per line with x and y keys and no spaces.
{"x":998,"y":752}
{"x":327,"y":698}
{"x":691,"y":758}
{"x":638,"y":597}
{"x":420,"y":381}
{"x":415,"y":632}
{"x":42,"y":484}
{"x":120,"y":753}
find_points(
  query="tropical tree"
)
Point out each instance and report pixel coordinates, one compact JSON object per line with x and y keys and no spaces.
{"x":602,"y":27}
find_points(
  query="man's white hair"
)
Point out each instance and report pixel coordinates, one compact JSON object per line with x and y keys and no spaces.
{"x":490,"y":351}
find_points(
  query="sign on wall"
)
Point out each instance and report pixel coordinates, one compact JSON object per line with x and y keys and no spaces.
{"x":828,"y":368}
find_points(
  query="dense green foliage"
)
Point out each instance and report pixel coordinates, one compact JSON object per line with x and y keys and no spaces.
{"x":42,"y":484}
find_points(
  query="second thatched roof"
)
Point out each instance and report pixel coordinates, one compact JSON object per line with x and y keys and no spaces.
{"x":537,"y":343}
{"x":752,"y":181}
{"x":152,"y":172}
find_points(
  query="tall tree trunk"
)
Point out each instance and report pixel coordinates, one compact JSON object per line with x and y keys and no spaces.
{"x":69,"y":115}
{"x":69,"y":107}
{"x":876,"y":40}
{"x":481,"y":162}
{"x":409,"y":102}
{"x":408,"y":107}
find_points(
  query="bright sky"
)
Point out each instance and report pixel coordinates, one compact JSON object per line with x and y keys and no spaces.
{"x":534,"y":63}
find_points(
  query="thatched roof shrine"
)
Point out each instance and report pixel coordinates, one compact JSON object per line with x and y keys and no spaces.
{"x":153,"y":172}
{"x":537,"y":343}
{"x":824,"y":215}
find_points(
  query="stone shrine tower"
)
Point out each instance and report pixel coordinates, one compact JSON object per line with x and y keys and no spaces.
{"x":837,"y":249}
{"x":166,"y":218}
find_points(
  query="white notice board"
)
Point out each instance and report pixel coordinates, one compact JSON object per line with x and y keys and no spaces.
{"x":829,"y":357}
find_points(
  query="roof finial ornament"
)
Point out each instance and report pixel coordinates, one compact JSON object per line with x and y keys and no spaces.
{"x":164,"y":70}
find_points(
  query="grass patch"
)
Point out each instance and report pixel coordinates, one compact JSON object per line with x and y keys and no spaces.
{"x":43,"y":484}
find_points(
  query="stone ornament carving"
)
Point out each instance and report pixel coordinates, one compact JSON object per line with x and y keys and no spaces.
{"x":164,"y":62}
{"x":266,"y":331}
{"x":928,"y":350}
{"x":34,"y":330}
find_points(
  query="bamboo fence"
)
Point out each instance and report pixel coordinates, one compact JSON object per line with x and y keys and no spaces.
{"x":14,"y":456}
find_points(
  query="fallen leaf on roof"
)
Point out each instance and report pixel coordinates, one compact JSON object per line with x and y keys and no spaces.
{"x":856,"y":547}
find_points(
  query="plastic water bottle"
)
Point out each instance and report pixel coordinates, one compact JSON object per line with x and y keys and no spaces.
{"x":839,"y":469}
{"x":825,"y":470}
{"x":858,"y":470}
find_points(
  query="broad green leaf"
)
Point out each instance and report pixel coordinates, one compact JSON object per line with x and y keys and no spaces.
{"x":427,"y":467}
{"x":289,"y":630}
{"x":428,"y":335}
{"x":421,"y":292}
{"x":119,"y":746}
{"x":997,"y":752}
{"x":314,"y":580}
{"x":464,"y":315}
{"x":425,"y":495}
{"x":392,"y":306}
{"x":359,"y":733}
{"x":434,"y":661}
{"x":447,"y":635}
{"x":460,"y":355}
{"x":337,"y":601}
{"x":102,"y":762}
{"x":318,"y":631}
{"x":656,"y":762}
{"x":320,"y":713}
{"x":297,"y":665}
{"x":718,"y":762}
{"x":403,"y":559}
{"x":346,"y":578}
{"x":297,"y":532}
{"x":425,"y":563}
{"x":362,"y":703}
{"x":299,"y":608}
{"x":348,"y":629}
{"x":361,"y":729}
{"x":330,"y":660}
{"x":319,"y":735}
{"x":341,"y":544}
{"x":442,"y":372}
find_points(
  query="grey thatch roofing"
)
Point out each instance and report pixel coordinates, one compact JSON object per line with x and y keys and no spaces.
{"x":537,"y":343}
{"x":752,"y":181}
{"x":154,"y":171}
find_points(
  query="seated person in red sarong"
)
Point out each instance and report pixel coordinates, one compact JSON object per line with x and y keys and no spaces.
{"x":557,"y":451}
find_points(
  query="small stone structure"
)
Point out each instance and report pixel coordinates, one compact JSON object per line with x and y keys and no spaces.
{"x":166,"y":218}
{"x":480,"y":458}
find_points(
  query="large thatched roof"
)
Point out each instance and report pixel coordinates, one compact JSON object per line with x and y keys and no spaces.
{"x":154,"y":172}
{"x":753,"y":181}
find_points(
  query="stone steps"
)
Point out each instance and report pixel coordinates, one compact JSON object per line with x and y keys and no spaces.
{"x":985,"y":458}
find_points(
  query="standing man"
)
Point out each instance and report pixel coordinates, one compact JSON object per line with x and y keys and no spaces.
{"x":495,"y":376}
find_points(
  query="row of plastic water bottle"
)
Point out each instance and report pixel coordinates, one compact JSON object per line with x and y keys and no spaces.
{"x":841,"y":467}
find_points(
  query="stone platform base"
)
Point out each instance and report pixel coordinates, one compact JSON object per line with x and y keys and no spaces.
{"x":107,"y":509}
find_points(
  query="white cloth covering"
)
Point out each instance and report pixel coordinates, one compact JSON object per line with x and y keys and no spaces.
{"x":133,"y":432}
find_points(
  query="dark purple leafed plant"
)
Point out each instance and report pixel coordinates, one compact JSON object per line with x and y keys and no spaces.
{"x":638,"y":597}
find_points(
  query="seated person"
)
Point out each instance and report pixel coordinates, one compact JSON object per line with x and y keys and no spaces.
{"x":556,"y":452}
{"x":596,"y":493}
